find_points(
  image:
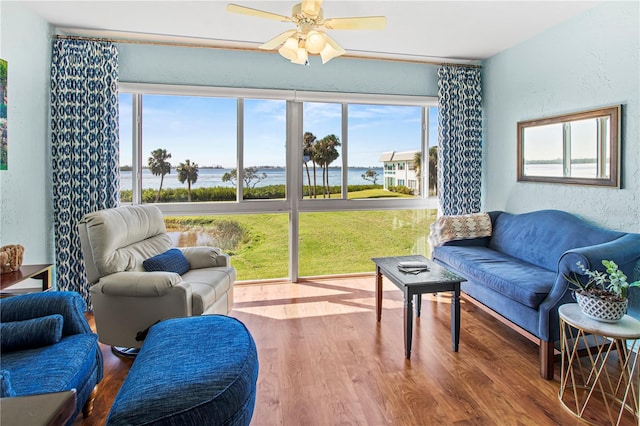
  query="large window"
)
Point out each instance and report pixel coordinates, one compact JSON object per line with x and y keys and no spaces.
{"x":383,"y":142}
{"x":344,"y":242}
{"x":293,"y":163}
{"x":188,"y":147}
{"x":265,"y":149}
{"x":322,"y":150}
{"x":126,"y":147}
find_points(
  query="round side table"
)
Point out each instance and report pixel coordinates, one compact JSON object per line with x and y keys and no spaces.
{"x":600,"y":368}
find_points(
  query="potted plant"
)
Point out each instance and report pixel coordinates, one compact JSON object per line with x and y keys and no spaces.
{"x":603,"y":296}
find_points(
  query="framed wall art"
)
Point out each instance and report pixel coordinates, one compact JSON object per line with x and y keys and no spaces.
{"x":4,"y":155}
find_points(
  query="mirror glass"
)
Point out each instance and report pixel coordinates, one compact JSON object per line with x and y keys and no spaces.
{"x":578,"y":148}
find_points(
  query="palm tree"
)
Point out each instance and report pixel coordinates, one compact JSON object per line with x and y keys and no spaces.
{"x":433,"y":169}
{"x":159,"y":165}
{"x":417,"y":160}
{"x":319,"y":155}
{"x":188,"y":171}
{"x":325,"y":153}
{"x":333,"y":143}
{"x":308,"y":141}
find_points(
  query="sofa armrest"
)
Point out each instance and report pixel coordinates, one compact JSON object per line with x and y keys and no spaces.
{"x":205,"y":257}
{"x":69,"y":304}
{"x":625,"y":251}
{"x":139,"y":284}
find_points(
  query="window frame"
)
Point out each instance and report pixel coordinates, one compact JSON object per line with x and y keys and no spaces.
{"x":294,"y":203}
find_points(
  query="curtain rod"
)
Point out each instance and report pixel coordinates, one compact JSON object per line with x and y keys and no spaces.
{"x":250,"y":49}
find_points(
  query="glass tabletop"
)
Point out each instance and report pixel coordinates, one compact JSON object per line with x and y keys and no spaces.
{"x":436,"y":273}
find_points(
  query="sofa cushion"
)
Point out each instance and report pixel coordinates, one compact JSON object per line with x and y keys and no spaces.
{"x":69,"y":364}
{"x":31,"y":333}
{"x":6,"y":389}
{"x":542,"y":237}
{"x":171,"y":260}
{"x":518,"y":280}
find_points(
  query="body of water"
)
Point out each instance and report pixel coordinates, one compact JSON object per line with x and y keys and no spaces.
{"x":583,"y":170}
{"x":276,"y":176}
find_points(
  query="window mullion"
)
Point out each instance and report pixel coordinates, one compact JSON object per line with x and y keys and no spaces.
{"x":294,"y":191}
{"x":136,"y":166}
{"x":240,"y":151}
{"x":423,"y":180}
{"x":566,"y":146}
{"x":345,"y":151}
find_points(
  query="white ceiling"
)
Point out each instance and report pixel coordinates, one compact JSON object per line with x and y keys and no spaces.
{"x":443,"y":30}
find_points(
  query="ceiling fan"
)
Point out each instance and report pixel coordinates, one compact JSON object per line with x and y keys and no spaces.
{"x":308,"y":37}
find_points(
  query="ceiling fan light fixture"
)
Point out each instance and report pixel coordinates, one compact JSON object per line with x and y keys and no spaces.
{"x":308,"y":16}
{"x":330,"y":51}
{"x":316,"y":41}
{"x":302,"y":57}
{"x":289,"y":49}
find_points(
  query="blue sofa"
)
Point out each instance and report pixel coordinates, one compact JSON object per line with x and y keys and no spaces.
{"x":518,"y":270}
{"x":48,"y":346}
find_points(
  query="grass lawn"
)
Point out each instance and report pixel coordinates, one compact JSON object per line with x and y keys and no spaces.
{"x":330,"y":243}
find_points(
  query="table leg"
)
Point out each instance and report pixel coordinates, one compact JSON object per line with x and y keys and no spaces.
{"x":408,"y":324}
{"x":455,"y":318}
{"x":378,"y":293}
{"x":45,"y":276}
{"x":418,"y":303}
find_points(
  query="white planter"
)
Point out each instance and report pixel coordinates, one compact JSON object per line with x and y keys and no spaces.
{"x":600,"y":309}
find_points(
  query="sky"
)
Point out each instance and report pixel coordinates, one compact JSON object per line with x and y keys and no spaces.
{"x":204,"y":129}
{"x":546,"y":142}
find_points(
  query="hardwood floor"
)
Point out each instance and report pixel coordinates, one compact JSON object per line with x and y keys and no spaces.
{"x":324,"y":360}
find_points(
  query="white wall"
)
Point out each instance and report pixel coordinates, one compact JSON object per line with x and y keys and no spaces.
{"x":587,"y":62}
{"x":25,"y":188}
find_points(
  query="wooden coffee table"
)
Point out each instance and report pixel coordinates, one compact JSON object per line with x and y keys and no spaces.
{"x":436,"y":279}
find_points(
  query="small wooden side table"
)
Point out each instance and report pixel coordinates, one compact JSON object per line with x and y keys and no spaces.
{"x":39,"y":272}
{"x":591,"y":383}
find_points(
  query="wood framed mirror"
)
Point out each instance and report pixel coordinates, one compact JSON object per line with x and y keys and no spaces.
{"x":582,"y":148}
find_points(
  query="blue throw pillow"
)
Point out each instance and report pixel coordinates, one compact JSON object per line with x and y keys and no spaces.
{"x":32,"y":333}
{"x":6,"y":390}
{"x":171,"y":260}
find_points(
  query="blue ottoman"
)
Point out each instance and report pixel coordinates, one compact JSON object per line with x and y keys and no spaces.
{"x":191,"y":371}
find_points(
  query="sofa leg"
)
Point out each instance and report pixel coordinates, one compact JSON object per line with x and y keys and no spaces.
{"x":547,"y":359}
{"x":87,"y":409}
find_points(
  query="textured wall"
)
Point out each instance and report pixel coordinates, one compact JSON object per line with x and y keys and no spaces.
{"x":211,"y":67}
{"x":25,"y":188}
{"x":588,"y":62}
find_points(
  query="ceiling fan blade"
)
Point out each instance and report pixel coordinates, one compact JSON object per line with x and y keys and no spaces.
{"x":277,"y":41}
{"x":255,"y":12}
{"x":331,"y":50}
{"x":311,"y":7}
{"x":358,"y":23}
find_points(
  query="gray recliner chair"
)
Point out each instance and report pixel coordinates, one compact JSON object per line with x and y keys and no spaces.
{"x":127,"y":299}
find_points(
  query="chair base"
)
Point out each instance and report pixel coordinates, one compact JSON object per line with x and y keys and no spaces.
{"x":125,"y":352}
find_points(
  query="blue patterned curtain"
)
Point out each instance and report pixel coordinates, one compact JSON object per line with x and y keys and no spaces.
{"x":84,"y":126}
{"x":460,"y":140}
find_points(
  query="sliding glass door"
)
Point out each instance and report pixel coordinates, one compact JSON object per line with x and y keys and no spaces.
{"x":288,"y":183}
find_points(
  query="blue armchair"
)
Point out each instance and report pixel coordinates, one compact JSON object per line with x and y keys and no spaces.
{"x":48,"y":346}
